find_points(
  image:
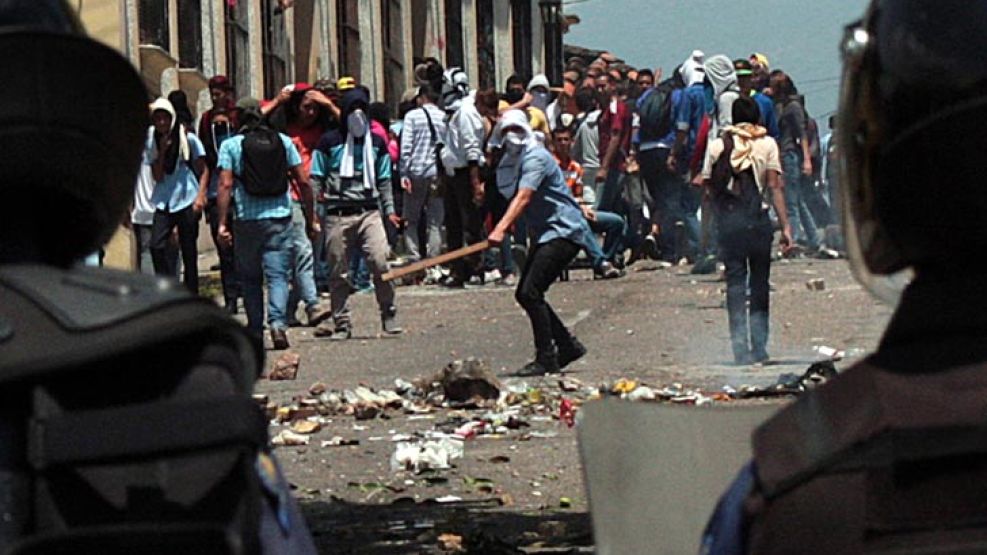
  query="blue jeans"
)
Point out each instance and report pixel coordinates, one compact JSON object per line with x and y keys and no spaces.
{"x":803,"y":226}
{"x":609,"y":196}
{"x":613,"y":228}
{"x":358,"y":271}
{"x":319,"y":250}
{"x":303,"y":278}
{"x":263,"y":252}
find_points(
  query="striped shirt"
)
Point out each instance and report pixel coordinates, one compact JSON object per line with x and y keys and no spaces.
{"x":417,"y":145}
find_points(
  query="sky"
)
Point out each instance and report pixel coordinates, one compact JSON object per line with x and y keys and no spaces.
{"x":798,"y":36}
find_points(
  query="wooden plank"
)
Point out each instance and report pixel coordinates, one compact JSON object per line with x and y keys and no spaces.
{"x":436,"y":260}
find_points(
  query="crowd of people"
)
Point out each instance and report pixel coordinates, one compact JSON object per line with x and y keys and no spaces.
{"x":320,"y":189}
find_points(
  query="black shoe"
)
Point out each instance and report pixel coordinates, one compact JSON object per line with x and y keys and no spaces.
{"x":389,"y":323}
{"x":317,"y":314}
{"x":535,"y":369}
{"x":279,"y":339}
{"x":606,"y":270}
{"x":572,"y":353}
{"x":341,"y":333}
{"x":705,"y":266}
{"x":650,"y":248}
{"x":231,"y":306}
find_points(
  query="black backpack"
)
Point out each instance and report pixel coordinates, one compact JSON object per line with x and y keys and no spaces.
{"x":656,"y":113}
{"x":739,"y":206}
{"x":126,"y":418}
{"x":265,"y":163}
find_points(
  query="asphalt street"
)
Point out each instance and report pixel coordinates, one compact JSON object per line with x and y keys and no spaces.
{"x":656,"y":327}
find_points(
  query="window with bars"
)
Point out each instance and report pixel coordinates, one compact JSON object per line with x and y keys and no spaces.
{"x":153,"y":20}
{"x":238,"y":47}
{"x":521,"y":37}
{"x":274,"y":47}
{"x":454,"y":33}
{"x":486,"y":54}
{"x":348,"y":36}
{"x":392,"y":26}
{"x":190,"y":33}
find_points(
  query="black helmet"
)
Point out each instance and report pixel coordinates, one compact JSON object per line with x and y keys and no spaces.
{"x":73,"y":116}
{"x":912,"y":131}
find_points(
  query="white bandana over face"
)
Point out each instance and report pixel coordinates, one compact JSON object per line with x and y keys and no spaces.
{"x":515,"y":141}
{"x":358,"y":127}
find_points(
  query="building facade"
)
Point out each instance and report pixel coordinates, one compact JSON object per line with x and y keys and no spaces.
{"x":262,"y":45}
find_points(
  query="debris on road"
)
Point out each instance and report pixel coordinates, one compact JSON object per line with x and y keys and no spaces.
{"x":829,"y":353}
{"x":289,"y":438}
{"x":285,"y":367}
{"x":434,"y":454}
{"x":467,"y":380}
{"x":816,"y":284}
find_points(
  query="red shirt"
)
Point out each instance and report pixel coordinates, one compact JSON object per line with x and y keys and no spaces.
{"x":616,"y":124}
{"x":305,"y":139}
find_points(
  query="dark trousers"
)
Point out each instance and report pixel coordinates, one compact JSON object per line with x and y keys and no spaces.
{"x":544,"y":265}
{"x":227,"y":262}
{"x":464,"y":225}
{"x":187,"y":222}
{"x":746,"y":253}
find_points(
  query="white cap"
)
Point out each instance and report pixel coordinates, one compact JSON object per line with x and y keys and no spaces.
{"x":539,"y":81}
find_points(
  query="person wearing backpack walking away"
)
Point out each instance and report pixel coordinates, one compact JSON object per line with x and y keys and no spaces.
{"x":354,"y":167}
{"x":741,"y":171}
{"x":307,"y":115}
{"x":529,"y":174}
{"x":181,"y":180}
{"x":659,"y":108}
{"x":116,"y":363}
{"x":422,"y":134}
{"x":254,"y":170}
{"x":887,"y":456}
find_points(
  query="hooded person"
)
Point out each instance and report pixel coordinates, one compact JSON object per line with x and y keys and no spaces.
{"x":180,"y":192}
{"x":529,"y":175}
{"x":353,"y":168}
{"x":722,"y":79}
{"x":71,"y":335}
{"x":462,"y":158}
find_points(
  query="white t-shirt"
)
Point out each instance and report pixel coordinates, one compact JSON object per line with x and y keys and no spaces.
{"x":143,"y":212}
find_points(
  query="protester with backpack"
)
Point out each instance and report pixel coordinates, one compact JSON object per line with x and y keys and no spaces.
{"x":742,"y":168}
{"x":179,"y":197}
{"x":127,"y":424}
{"x":255,"y":166}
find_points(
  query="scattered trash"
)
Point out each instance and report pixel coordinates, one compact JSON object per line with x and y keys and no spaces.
{"x":289,"y":438}
{"x":366,"y":411}
{"x":285,"y":367}
{"x":816,"y":284}
{"x":567,"y":413}
{"x":623,"y":386}
{"x":565,"y":503}
{"x":465,"y":380}
{"x":426,"y":455}
{"x":500,"y":459}
{"x":318,"y":388}
{"x":305,"y":427}
{"x":338,"y":441}
{"x":448,"y":499}
{"x":829,"y":352}
{"x":642,"y":393}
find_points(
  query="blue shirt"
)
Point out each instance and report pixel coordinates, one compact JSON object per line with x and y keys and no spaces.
{"x":178,"y":189}
{"x":251,"y":207}
{"x":553,"y":212}
{"x":668,"y":140}
{"x":689,"y":116}
{"x":768,"y":117}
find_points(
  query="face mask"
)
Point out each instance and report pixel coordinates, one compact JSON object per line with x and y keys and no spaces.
{"x":541,"y":100}
{"x":220,"y":132}
{"x":514,"y":96}
{"x":357,"y":124}
{"x":514,"y":142}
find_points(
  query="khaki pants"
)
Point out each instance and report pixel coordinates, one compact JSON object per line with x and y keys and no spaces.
{"x":366,"y":232}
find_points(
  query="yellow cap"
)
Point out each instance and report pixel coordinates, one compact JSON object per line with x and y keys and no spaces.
{"x":345,"y":84}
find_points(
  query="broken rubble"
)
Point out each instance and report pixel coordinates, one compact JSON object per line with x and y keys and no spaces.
{"x":285,"y":367}
{"x":464,"y":380}
{"x":289,"y":438}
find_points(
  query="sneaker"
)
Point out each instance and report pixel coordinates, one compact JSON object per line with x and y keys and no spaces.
{"x":572,"y":353}
{"x":389,"y":323}
{"x":334,"y":332}
{"x":432,"y":276}
{"x":607,"y":270}
{"x":826,"y":253}
{"x":510,"y":280}
{"x":317,"y":314}
{"x":705,"y":266}
{"x":491,"y":276}
{"x":650,"y":248}
{"x":279,"y":339}
{"x":536,"y":368}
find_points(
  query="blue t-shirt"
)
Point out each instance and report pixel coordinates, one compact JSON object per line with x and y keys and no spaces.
{"x":689,"y":116}
{"x":251,"y":207}
{"x":178,"y":189}
{"x":768,"y":117}
{"x":553,"y":212}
